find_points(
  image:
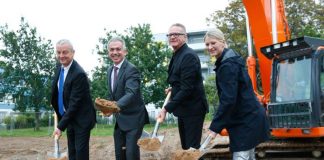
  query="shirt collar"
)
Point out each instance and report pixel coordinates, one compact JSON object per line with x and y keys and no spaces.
{"x":67,"y":67}
{"x":120,"y":64}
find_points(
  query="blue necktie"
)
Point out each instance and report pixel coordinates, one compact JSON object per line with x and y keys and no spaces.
{"x":60,"y":97}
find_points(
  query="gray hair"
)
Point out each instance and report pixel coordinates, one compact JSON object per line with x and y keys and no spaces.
{"x":217,"y":34}
{"x":65,"y":41}
{"x":179,"y":25}
{"x":118,"y":39}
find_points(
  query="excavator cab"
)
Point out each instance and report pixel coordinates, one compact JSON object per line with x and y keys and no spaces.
{"x":296,"y":107}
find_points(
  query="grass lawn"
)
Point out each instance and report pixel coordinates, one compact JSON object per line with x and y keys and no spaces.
{"x":98,"y":130}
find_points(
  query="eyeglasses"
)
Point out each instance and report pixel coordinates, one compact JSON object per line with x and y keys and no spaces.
{"x":174,"y":34}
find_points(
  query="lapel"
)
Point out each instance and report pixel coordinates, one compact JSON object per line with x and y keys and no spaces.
{"x":69,"y":74}
{"x":55,"y":81}
{"x":109,"y":78}
{"x":175,"y":58}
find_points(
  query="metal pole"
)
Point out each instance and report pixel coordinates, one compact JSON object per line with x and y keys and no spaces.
{"x":274,"y":21}
{"x":248,"y":34}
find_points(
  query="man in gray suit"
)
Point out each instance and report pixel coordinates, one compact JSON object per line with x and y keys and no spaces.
{"x":124,"y":88}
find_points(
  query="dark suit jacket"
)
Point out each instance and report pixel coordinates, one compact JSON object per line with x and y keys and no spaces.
{"x":80,"y":112}
{"x":184,"y":75}
{"x":127,"y":93}
{"x":239,"y":110}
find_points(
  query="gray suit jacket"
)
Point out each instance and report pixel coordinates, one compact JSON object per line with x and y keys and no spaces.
{"x":127,"y":94}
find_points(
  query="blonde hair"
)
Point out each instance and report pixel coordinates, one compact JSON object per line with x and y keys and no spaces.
{"x":217,"y":34}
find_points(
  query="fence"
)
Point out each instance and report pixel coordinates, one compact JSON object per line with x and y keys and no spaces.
{"x":12,"y":121}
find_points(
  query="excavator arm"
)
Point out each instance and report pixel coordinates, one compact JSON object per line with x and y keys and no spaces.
{"x":260,"y":22}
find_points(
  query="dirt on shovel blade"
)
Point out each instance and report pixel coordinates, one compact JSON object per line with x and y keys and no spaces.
{"x":62,"y":158}
{"x":149,"y":144}
{"x":186,"y":155}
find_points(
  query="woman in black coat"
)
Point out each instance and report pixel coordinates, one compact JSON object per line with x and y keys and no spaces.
{"x":239,"y":110}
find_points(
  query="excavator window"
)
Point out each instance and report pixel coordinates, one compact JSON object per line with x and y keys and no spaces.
{"x":293,"y":80}
{"x":322,"y":75}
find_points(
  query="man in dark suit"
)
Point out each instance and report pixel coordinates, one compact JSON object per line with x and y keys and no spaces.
{"x":72,"y":102}
{"x":124,"y":88}
{"x":188,"y":101}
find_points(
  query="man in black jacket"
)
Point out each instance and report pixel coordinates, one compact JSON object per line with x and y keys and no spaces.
{"x":188,"y":101}
{"x":72,"y":102}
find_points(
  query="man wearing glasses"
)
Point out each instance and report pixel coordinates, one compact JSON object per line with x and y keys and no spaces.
{"x":188,"y":100}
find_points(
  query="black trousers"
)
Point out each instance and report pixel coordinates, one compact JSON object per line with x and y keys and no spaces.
{"x":78,"y":144}
{"x":190,"y":130}
{"x":126,"y":147}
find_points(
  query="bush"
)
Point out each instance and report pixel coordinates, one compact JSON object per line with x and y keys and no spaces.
{"x":7,"y":121}
{"x":44,"y":120}
{"x":21,"y":121}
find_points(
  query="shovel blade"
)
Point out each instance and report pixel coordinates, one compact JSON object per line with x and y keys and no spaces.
{"x":160,"y":138}
{"x":145,"y":134}
{"x":57,"y":155}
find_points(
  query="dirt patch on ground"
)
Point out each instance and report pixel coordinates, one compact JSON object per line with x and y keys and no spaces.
{"x":30,"y":148}
{"x":101,"y":148}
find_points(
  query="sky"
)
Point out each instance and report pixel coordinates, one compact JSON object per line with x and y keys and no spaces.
{"x":83,"y":21}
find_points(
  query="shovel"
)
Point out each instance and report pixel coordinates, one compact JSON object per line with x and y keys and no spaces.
{"x":153,"y":142}
{"x":57,"y":155}
{"x":158,"y":121}
{"x":203,"y":150}
{"x":193,"y":153}
{"x":205,"y":143}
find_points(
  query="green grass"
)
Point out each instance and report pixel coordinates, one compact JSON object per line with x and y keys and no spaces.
{"x":98,"y":130}
{"x":26,"y":132}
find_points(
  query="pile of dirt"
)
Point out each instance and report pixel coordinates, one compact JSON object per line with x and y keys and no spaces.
{"x":186,"y":155}
{"x":149,"y":144}
{"x":63,"y":158}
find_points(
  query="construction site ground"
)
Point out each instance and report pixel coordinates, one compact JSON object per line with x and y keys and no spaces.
{"x":102,"y":148}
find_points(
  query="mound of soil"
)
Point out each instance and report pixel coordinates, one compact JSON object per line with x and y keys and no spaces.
{"x":186,"y":155}
{"x":149,"y":144}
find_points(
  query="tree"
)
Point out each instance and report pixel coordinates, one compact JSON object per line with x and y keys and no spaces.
{"x":211,"y":94}
{"x":150,"y":57}
{"x":304,"y":19}
{"x":28,"y":66}
{"x":232,"y":22}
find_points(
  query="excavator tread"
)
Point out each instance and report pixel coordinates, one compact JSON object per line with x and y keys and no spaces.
{"x":221,"y":150}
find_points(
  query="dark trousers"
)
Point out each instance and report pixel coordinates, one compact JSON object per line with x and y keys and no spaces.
{"x":126,"y":147}
{"x":190,"y":130}
{"x":78,"y":144}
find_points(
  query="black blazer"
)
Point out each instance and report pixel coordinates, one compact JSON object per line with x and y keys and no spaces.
{"x":80,"y":112}
{"x":184,"y":75}
{"x":127,"y":94}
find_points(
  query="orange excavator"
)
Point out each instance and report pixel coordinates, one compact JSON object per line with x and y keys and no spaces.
{"x":292,"y":78}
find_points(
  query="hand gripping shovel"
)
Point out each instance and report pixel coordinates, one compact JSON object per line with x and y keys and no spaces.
{"x":57,"y":155}
{"x":153,"y":142}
